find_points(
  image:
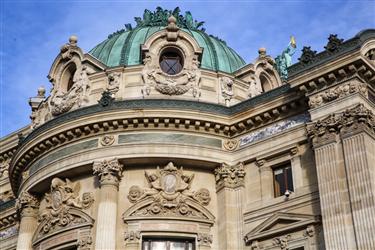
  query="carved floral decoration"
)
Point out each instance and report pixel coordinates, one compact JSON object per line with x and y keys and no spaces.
{"x":282,"y":241}
{"x":231,"y":144}
{"x":107,"y":140}
{"x":108,"y":171}
{"x":179,"y":84}
{"x":308,"y":55}
{"x":169,"y":194}
{"x":230,"y":176}
{"x":60,"y":201}
{"x":333,"y":43}
{"x":204,"y":239}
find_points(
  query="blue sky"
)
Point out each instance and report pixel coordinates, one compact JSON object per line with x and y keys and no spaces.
{"x":32,"y":33}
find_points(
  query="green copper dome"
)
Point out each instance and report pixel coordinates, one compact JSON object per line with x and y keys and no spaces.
{"x":123,"y":47}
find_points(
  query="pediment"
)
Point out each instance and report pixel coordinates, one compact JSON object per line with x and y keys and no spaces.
{"x":279,"y":223}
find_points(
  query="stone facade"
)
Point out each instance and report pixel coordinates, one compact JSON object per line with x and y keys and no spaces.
{"x":119,"y":156}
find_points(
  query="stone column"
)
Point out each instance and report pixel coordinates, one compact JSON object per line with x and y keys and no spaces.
{"x":28,"y":206}
{"x":109,"y":173}
{"x":229,"y":188}
{"x":358,"y":139}
{"x":346,"y":177}
{"x":266,"y":180}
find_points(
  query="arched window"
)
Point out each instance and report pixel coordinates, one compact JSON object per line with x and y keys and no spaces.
{"x":265,"y":82}
{"x":171,"y":61}
{"x":68,"y":76}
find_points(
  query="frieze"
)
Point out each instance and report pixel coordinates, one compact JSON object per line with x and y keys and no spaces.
{"x":229,"y":176}
{"x":351,"y":119}
{"x":9,"y":232}
{"x":343,"y":90}
{"x":168,"y":194}
{"x":63,"y":197}
{"x":273,"y":129}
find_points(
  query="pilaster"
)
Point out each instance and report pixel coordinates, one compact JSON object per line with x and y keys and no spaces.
{"x":229,"y":186}
{"x":109,"y":173}
{"x":266,"y":180}
{"x":27,"y":205}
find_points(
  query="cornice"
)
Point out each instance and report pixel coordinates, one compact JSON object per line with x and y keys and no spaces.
{"x":229,"y":122}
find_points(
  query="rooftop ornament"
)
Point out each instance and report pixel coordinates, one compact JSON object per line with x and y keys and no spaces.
{"x":160,"y":18}
{"x":284,"y":60}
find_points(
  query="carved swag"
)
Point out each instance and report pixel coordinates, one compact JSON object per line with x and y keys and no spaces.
{"x":169,"y":194}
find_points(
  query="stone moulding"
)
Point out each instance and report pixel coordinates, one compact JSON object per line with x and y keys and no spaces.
{"x":352,"y":119}
{"x":203,"y":126}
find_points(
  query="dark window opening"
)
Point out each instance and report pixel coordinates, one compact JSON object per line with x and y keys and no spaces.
{"x":168,"y":244}
{"x":171,"y":62}
{"x":283,"y":180}
{"x":68,"y":77}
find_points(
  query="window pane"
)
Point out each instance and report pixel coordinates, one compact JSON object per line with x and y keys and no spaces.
{"x":177,"y":246}
{"x":283,"y":180}
{"x":159,"y":245}
{"x":290,"y":179}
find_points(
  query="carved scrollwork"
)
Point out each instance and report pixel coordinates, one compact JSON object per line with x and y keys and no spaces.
{"x":308,"y":55}
{"x":334,"y":43}
{"x":107,"y":140}
{"x":64,"y":196}
{"x":179,"y":84}
{"x":229,"y":176}
{"x":340,"y":91}
{"x":84,"y":243}
{"x":169,"y":194}
{"x":4,"y":166}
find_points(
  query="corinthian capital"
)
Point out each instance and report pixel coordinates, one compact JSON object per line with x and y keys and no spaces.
{"x":27,"y":204}
{"x":229,"y":176}
{"x":108,"y":171}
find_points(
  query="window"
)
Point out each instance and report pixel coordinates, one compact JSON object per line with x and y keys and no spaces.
{"x":68,"y":76}
{"x":283,"y":179}
{"x":171,"y":61}
{"x":169,"y":244}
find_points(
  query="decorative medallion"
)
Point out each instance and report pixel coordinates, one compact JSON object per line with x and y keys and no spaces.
{"x":107,"y":140}
{"x":231,"y":144}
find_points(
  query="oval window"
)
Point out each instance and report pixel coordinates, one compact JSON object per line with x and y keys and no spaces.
{"x":171,"y":61}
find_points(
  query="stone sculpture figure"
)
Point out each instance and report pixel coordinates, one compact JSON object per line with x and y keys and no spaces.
{"x":285,"y":59}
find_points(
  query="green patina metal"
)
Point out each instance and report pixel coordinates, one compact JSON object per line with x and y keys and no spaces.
{"x":123,"y":46}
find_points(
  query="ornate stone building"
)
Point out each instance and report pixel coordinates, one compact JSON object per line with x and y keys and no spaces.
{"x":162,"y":137}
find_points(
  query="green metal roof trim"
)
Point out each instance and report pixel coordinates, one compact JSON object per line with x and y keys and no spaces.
{"x":124,"y":48}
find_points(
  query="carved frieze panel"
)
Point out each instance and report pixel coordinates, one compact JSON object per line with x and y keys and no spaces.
{"x":343,"y":90}
{"x":63,"y":207}
{"x":230,"y":176}
{"x":168,"y":194}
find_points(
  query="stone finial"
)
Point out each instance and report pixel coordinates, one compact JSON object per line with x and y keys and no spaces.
{"x":73,"y":40}
{"x":229,"y":176}
{"x":172,"y":29}
{"x":27,"y":204}
{"x":41,"y":92}
{"x":108,"y":171}
{"x":262,"y":52}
